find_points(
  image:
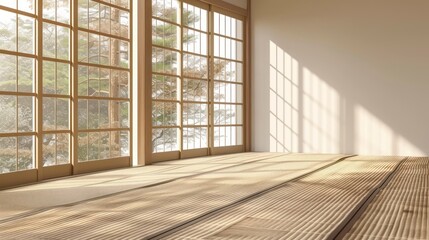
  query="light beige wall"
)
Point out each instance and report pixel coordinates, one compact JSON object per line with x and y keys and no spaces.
{"x":238,"y":3}
{"x":339,"y":76}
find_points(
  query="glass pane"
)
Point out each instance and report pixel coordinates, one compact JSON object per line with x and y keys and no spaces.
{"x":83,"y":47}
{"x":82,"y":114}
{"x":83,"y":81}
{"x":228,"y":92}
{"x":225,"y":114}
{"x":115,"y":144}
{"x":194,"y":138}
{"x":49,"y":9}
{"x":49,"y":77}
{"x":124,"y":22}
{"x":49,"y":114}
{"x":119,"y":84}
{"x":8,"y":154}
{"x":26,"y":34}
{"x":228,"y":71}
{"x":121,"y":3}
{"x":165,"y":61}
{"x":104,"y":82}
{"x":105,"y":16}
{"x":164,"y":87}
{"x":25,"y":153}
{"x":195,"y":90}
{"x":93,"y":48}
{"x":82,"y":150}
{"x":195,"y":114}
{"x":26,"y":114}
{"x":63,"y":110}
{"x":56,"y":149}
{"x":63,"y":11}
{"x":164,"y":140}
{"x":63,"y":43}
{"x":123,"y":54}
{"x":8,"y":31}
{"x":8,"y":109}
{"x":56,"y":114}
{"x":228,"y":48}
{"x":115,"y":24}
{"x":49,"y":149}
{"x":93,"y":114}
{"x":240,"y":29}
{"x":194,"y":17}
{"x":93,"y":146}
{"x":104,"y":145}
{"x":25,"y":5}
{"x":63,"y":149}
{"x":104,"y":50}
{"x":228,"y":136}
{"x":83,"y":13}
{"x":49,"y":40}
{"x":165,"y":34}
{"x":8,"y":3}
{"x":228,"y":26}
{"x":120,"y":112}
{"x":94,"y":82}
{"x":125,"y":143}
{"x":166,"y":9}
{"x":94,"y":16}
{"x":164,"y":114}
{"x":104,"y":109}
{"x":63,"y":78}
{"x":194,"y":42}
{"x":8,"y":79}
{"x":195,"y":66}
{"x":25,"y":74}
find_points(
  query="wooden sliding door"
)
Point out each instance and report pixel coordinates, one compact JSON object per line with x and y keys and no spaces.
{"x":197,"y":80}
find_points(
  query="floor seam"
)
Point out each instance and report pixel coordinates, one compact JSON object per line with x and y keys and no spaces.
{"x":345,"y":226}
{"x":38,"y":211}
{"x":178,"y":227}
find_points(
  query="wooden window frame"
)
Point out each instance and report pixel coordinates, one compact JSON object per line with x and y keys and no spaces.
{"x":145,"y":154}
{"x":40,"y":172}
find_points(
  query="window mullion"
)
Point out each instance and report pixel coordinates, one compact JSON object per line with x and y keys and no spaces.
{"x":39,"y":90}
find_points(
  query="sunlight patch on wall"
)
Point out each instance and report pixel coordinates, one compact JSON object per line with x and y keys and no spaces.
{"x":284,"y":101}
{"x":304,"y":109}
{"x":374,"y":137}
{"x":321,"y":115}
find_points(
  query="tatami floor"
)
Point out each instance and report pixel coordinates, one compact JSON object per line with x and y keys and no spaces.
{"x":240,"y":196}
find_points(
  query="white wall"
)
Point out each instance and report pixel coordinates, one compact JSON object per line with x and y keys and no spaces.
{"x":238,"y":3}
{"x":339,"y":76}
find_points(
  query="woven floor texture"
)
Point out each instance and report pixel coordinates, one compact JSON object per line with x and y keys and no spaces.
{"x":268,"y":196}
{"x":400,"y":211}
{"x":148,"y":211}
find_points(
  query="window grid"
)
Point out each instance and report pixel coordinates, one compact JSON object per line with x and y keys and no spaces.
{"x":228,"y":84}
{"x":183,"y":50}
{"x":37,"y":47}
{"x":103,"y":81}
{"x":166,"y":80}
{"x":56,"y":82}
{"x":17,"y":87}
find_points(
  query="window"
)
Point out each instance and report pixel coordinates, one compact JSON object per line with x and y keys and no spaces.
{"x":103,"y":80}
{"x":17,"y":85}
{"x":56,"y":78}
{"x":197,"y":77}
{"x":64,"y":83}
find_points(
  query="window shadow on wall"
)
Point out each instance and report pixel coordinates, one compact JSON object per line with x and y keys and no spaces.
{"x":309,"y":115}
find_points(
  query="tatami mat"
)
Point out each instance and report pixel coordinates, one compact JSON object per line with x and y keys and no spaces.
{"x":401,"y":209}
{"x":148,"y":211}
{"x":71,"y":190}
{"x":310,"y":208}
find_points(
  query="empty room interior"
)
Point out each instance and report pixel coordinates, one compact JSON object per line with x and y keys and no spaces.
{"x":214,"y":119}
